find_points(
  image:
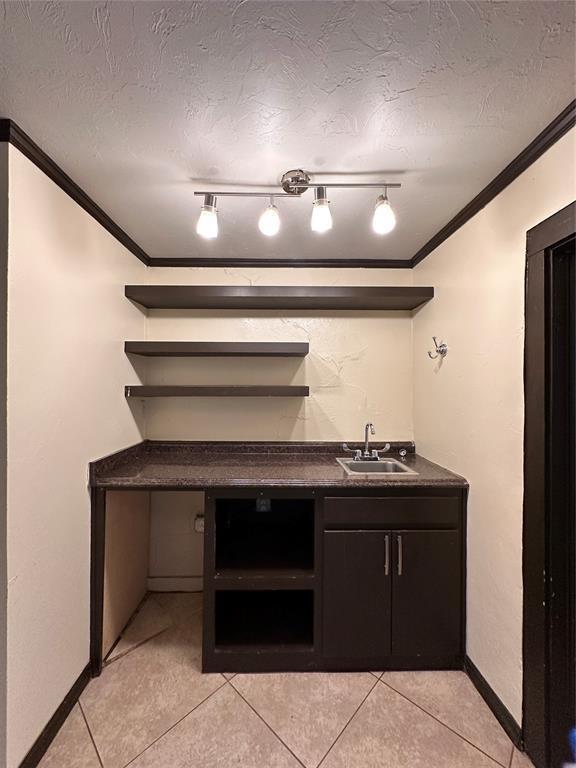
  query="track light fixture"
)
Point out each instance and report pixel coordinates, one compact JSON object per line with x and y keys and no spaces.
{"x":207,"y":226}
{"x":294,"y":184}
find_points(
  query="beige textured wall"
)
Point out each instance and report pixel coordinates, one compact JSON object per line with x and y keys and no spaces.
{"x":67,"y":320}
{"x":176,"y":549}
{"x":469,"y":411}
{"x":125,"y":561}
{"x":359,"y":367}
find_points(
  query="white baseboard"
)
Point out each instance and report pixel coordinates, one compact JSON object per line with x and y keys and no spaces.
{"x":175,"y":584}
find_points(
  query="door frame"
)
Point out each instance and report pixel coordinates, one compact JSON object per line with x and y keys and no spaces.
{"x":548,"y":558}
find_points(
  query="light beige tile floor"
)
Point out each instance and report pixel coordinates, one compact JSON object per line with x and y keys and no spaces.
{"x":153,"y":708}
{"x":452,"y":698}
{"x":307,"y":710}
{"x":72,"y":746}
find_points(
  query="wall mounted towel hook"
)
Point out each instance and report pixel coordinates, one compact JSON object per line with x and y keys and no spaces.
{"x":441,"y":349}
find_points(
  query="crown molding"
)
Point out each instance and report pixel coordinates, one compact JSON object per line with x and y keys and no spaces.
{"x":549,"y":136}
{"x":13,"y":134}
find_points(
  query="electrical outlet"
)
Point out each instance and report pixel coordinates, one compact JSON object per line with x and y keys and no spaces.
{"x":263,"y":505}
{"x":199,"y":523}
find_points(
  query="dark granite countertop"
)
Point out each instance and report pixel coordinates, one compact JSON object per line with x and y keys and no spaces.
{"x":200,"y":465}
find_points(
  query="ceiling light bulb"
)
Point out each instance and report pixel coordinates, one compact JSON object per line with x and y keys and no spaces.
{"x":321,"y":217}
{"x":384,"y":219}
{"x":207,"y":226}
{"x":269,"y":222}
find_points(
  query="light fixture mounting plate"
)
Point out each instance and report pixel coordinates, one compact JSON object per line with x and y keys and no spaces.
{"x":295,"y":182}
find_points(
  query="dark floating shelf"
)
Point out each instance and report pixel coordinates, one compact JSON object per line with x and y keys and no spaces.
{"x":278,"y":297}
{"x":216,"y":348}
{"x":215,"y":391}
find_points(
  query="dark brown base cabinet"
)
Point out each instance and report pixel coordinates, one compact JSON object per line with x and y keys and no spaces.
{"x":299,"y":579}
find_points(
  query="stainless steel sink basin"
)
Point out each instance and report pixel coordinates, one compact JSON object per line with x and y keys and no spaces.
{"x":380,"y":467}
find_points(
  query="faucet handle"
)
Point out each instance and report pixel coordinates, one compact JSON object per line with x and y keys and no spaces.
{"x":356,"y":451}
{"x":377,"y":451}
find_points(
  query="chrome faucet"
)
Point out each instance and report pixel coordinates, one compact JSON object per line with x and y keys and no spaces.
{"x":367,"y":454}
{"x":368,"y":430}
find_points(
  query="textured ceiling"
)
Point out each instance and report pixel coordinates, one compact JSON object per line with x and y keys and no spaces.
{"x":143,"y":102}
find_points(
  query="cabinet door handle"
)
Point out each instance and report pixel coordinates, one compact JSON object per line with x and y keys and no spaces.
{"x":399,"y":555}
{"x":386,"y":555}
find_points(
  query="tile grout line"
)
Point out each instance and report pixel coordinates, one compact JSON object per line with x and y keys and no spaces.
{"x":80,"y":707}
{"x":176,"y":723}
{"x":281,"y":740}
{"x":131,"y":621}
{"x":511,"y":757}
{"x":434,"y":717}
{"x":358,"y":708}
{"x":135,"y":647}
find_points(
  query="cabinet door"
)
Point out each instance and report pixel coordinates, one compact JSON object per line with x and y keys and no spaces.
{"x":356,"y":594}
{"x":427,"y":593}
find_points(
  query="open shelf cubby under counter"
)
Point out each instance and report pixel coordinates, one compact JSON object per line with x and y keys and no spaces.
{"x":245,"y":621}
{"x":261,"y":555}
{"x":264,"y":540}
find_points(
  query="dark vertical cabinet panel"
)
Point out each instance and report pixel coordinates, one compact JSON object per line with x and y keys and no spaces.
{"x":356,"y":594}
{"x":426,"y":593}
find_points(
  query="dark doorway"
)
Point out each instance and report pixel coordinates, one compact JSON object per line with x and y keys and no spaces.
{"x":549,"y":540}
